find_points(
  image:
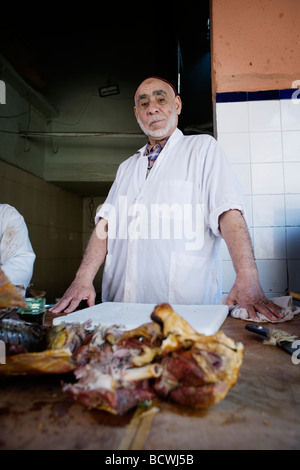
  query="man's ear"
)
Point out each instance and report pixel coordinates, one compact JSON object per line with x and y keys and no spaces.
{"x":178,"y":104}
{"x":135,"y":112}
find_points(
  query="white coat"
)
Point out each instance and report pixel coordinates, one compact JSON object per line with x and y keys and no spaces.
{"x":16,"y":253}
{"x":163,"y":233}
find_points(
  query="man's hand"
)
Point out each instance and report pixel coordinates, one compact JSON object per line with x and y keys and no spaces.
{"x":77,"y":292}
{"x":82,"y":288}
{"x":249,"y":295}
{"x":246,"y":291}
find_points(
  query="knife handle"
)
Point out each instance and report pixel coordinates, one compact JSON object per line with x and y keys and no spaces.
{"x":260,"y":330}
{"x":293,"y":294}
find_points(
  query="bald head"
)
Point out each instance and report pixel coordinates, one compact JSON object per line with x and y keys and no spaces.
{"x":157,"y":107}
{"x":158,"y":80}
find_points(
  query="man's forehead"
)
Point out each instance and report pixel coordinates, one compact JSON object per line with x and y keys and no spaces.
{"x":156,"y":92}
{"x":154,"y":86}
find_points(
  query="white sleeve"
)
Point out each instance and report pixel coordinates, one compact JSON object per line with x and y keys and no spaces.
{"x":16,"y":253}
{"x":221,"y":187}
{"x":105,"y":209}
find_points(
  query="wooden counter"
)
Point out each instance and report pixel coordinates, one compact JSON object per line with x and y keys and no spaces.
{"x":262,"y":411}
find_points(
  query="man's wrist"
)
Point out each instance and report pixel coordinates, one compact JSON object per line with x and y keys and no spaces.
{"x":249,"y":272}
{"x":84,"y":276}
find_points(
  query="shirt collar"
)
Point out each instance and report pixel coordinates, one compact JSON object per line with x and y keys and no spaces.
{"x":156,"y":147}
{"x":177,"y":134}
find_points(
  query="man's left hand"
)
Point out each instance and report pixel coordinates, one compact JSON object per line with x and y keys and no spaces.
{"x":249,"y":295}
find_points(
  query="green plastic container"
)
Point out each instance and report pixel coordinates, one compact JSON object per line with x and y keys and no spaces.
{"x":34,"y":306}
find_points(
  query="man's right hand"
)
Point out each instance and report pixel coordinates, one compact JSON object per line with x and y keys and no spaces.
{"x":82,"y":288}
{"x":77,"y":292}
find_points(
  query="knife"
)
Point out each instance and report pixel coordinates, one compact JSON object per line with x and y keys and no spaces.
{"x":287,"y":345}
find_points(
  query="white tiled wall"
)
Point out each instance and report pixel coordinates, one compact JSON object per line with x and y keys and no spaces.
{"x":262,"y":142}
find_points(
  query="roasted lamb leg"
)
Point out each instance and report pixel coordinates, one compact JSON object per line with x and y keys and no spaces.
{"x":115,"y":375}
{"x":165,"y":358}
{"x":198,"y":370}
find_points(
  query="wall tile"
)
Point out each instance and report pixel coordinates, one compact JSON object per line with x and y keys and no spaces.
{"x":292,"y":177}
{"x":267,"y":178}
{"x":293,"y":242}
{"x":290,"y":115}
{"x":248,"y":206}
{"x":291,"y":145}
{"x":294,"y":275}
{"x":224,"y":251}
{"x":269,"y":243}
{"x":268,"y":151}
{"x":236,"y":146}
{"x":265,"y":147}
{"x":268,"y":210}
{"x":243,"y":173}
{"x":292,"y":209}
{"x":264,"y":116}
{"x":272,"y":275}
{"x":228,"y":275}
{"x":232,"y":117}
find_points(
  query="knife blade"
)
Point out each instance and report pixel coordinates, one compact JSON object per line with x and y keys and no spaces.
{"x":286,"y":345}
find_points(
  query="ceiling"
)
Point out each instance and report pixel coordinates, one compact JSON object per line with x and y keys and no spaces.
{"x":85,"y":188}
{"x":33,"y":36}
{"x":34,"y":39}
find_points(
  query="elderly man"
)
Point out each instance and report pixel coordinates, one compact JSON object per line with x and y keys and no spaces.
{"x":16,"y":253}
{"x":160,"y":228}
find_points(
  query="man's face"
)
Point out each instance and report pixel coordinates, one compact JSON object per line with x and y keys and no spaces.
{"x":156,"y":108}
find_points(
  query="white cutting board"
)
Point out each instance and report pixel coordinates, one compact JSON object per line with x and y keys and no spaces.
{"x":206,"y":319}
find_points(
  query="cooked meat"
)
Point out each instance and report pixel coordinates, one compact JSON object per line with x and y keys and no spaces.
{"x":165,"y":358}
{"x":9,"y":295}
{"x":115,"y":370}
{"x":109,"y":380}
{"x":198,"y":370}
{"x":202,"y":375}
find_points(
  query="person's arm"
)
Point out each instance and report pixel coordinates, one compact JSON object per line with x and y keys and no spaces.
{"x":16,"y":253}
{"x":82,"y":288}
{"x":246,"y":291}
